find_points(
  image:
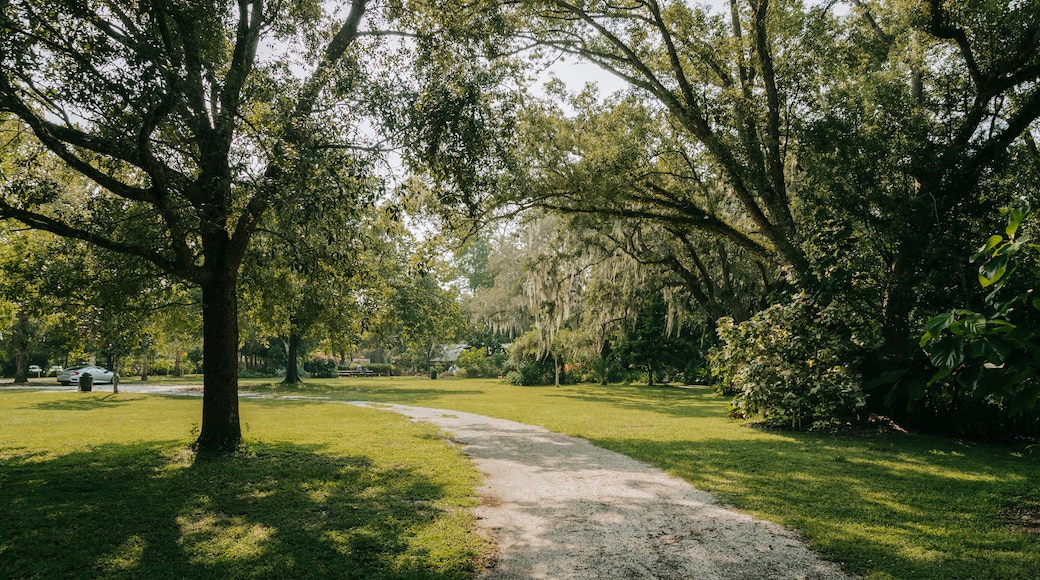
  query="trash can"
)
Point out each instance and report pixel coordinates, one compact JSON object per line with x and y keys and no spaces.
{"x":86,"y":383}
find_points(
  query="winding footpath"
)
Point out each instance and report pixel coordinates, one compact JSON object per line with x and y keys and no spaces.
{"x":559,"y":507}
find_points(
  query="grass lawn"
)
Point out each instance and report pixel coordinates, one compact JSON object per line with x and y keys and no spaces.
{"x":891,"y":506}
{"x":102,"y":485}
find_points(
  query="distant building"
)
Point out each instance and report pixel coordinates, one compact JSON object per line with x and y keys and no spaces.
{"x":447,"y":353}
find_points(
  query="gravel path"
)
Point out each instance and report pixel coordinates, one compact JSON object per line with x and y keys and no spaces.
{"x":559,"y":507}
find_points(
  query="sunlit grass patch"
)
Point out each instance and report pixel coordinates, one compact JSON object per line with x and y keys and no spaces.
{"x":886,"y":506}
{"x":318,"y":491}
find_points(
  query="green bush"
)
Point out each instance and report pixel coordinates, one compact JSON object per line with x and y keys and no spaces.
{"x":381,"y":368}
{"x":321,"y":367}
{"x":160,"y":367}
{"x":479,"y":365}
{"x":529,"y":373}
{"x":794,"y":363}
{"x":255,"y":373}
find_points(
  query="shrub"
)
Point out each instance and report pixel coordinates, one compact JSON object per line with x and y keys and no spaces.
{"x":160,"y":367}
{"x":478,"y":364}
{"x":321,"y":367}
{"x":381,"y":368}
{"x":255,"y":373}
{"x":793,"y":363}
{"x":529,"y":373}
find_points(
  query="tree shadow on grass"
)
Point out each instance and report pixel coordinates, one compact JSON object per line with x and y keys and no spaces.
{"x":694,"y":402}
{"x":377,"y":392}
{"x":150,"y":510}
{"x":908,"y":508}
{"x":89,"y":403}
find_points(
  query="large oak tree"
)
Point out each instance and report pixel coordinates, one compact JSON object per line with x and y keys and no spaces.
{"x":195,"y":119}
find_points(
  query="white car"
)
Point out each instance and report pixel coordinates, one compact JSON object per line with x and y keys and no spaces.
{"x":71,"y":375}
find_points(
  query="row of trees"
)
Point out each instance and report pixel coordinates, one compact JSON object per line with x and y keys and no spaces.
{"x":833,"y":154}
{"x":68,"y":302}
{"x":842,"y":161}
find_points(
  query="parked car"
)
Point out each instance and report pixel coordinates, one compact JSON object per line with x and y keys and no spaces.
{"x":71,"y":375}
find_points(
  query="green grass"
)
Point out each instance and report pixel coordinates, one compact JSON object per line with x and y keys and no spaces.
{"x":102,"y":485}
{"x":890,"y":506}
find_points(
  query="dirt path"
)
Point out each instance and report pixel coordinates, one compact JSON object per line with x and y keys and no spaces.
{"x":561,"y":508}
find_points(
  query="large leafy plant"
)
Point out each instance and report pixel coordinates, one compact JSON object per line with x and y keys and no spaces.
{"x":994,"y":356}
{"x":794,"y":363}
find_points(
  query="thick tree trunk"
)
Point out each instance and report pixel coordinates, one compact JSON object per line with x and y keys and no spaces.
{"x":292,"y":354}
{"x":221,"y":429}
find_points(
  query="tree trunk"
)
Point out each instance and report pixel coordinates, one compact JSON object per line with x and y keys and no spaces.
{"x":221,"y":429}
{"x":21,"y":347}
{"x":177,"y":362}
{"x":292,"y":353}
{"x":144,"y":365}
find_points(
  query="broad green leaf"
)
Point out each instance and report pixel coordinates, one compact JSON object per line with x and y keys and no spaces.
{"x":939,"y":323}
{"x":991,"y":243}
{"x":1015,"y":220}
{"x":974,"y":323}
{"x":942,"y":374}
{"x":947,"y":353}
{"x":993,"y":270}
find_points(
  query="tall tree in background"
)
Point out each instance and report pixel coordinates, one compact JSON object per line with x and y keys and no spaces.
{"x":21,"y":257}
{"x":851,"y":153}
{"x":193,"y":121}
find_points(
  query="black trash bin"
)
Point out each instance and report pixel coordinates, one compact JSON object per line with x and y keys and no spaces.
{"x":86,"y":383}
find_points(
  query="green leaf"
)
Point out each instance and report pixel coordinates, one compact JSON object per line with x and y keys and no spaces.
{"x":974,"y":323}
{"x":990,"y":244}
{"x":948,"y":353}
{"x":993,"y":270}
{"x":1015,"y":220}
{"x":939,"y":323}
{"x":942,"y":374}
